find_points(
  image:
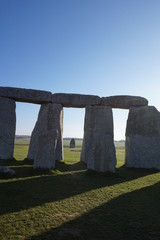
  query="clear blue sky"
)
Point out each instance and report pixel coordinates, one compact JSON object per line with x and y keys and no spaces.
{"x":102,"y":47}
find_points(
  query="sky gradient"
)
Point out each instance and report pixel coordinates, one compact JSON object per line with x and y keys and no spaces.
{"x":101,"y":47}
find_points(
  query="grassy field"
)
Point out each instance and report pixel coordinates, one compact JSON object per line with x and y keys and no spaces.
{"x":73,"y":203}
{"x":66,"y":142}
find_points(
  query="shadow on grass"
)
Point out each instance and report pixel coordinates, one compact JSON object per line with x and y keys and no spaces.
{"x":14,"y":162}
{"x":24,"y":168}
{"x":135,"y":215}
{"x":63,"y":167}
{"x":31,"y":188}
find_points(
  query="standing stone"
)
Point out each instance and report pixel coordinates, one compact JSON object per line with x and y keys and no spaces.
{"x":59,"y":127}
{"x":46,"y":150}
{"x":50,"y":119}
{"x":7,"y":127}
{"x":143,"y":138}
{"x":72,"y":143}
{"x":98,"y":149}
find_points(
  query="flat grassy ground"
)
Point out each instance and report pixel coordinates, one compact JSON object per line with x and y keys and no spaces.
{"x":72,"y":203}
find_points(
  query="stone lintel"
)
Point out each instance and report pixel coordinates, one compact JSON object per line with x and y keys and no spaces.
{"x":71,"y":99}
{"x":124,"y":101}
{"x":26,"y":95}
{"x":75,"y":100}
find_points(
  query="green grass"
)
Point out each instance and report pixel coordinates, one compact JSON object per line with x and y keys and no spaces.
{"x":22,"y":141}
{"x":73,"y":203}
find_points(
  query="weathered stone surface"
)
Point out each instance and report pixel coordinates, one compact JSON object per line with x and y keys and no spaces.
{"x":50,"y":118}
{"x":72,"y":143}
{"x":143,"y":152}
{"x":7,"y":127}
{"x":123,"y":101}
{"x":45,"y":156}
{"x":143,"y":121}
{"x":59,"y":127}
{"x":26,"y":95}
{"x":143,"y":138}
{"x":75,"y":100}
{"x":6,"y":170}
{"x":98,"y":149}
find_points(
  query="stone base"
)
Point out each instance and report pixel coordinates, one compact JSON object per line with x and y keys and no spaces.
{"x":46,"y":148}
{"x":143,"y":152}
{"x":101,"y":154}
{"x":6,"y":150}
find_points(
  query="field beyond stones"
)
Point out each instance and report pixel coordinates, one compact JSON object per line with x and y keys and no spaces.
{"x":73,"y":203}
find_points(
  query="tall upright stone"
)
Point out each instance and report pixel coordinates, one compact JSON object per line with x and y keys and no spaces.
{"x":98,"y":149}
{"x":50,"y":119}
{"x":72,"y":143}
{"x":143,"y":138}
{"x":59,"y":127}
{"x":7,"y":127}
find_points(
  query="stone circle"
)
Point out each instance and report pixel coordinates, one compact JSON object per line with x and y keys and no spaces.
{"x":98,"y":151}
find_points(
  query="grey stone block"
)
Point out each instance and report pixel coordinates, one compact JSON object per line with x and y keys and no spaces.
{"x":7,"y":127}
{"x":143,"y":138}
{"x":143,"y":121}
{"x":75,"y":100}
{"x":143,"y":152}
{"x":123,"y":101}
{"x":45,"y":156}
{"x":50,"y":118}
{"x":98,"y":149}
{"x":26,"y":95}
